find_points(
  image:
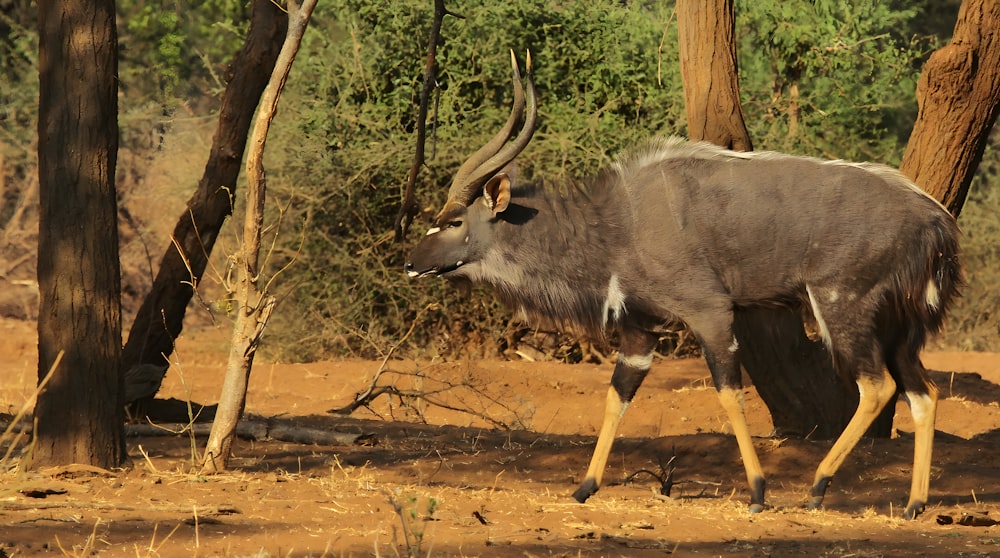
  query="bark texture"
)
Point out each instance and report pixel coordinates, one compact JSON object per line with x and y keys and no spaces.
{"x":79,"y":412}
{"x":706,"y":34}
{"x":958,"y":95}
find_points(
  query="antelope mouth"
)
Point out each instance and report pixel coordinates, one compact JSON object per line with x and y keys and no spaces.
{"x":436,"y":271}
{"x":412,"y":274}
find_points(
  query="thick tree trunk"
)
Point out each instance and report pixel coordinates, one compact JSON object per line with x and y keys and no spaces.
{"x":959,"y":95}
{"x":706,"y":33}
{"x":160,"y":318}
{"x":793,"y":374}
{"x":795,"y":377}
{"x":79,"y":413}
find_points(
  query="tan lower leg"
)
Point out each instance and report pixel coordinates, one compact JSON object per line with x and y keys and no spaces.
{"x":874,"y":395}
{"x":732,"y":402}
{"x":614,"y":408}
{"x":923,"y":407}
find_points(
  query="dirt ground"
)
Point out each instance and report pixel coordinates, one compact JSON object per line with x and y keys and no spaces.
{"x":428,"y":478}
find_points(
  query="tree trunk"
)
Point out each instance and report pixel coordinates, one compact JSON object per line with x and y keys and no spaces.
{"x":706,"y":33}
{"x":959,"y":95}
{"x":793,"y":374}
{"x":79,"y":413}
{"x":253,"y":302}
{"x":160,"y":318}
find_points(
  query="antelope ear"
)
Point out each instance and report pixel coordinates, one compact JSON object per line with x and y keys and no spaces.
{"x":496,"y":193}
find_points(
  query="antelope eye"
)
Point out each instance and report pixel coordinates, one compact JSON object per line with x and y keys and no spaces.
{"x":455,"y":223}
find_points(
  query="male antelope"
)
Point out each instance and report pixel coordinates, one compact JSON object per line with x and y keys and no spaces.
{"x":693,"y":231}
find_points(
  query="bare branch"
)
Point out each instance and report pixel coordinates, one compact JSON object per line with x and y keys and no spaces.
{"x":408,"y":210}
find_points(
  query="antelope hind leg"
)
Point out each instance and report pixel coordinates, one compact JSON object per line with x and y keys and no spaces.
{"x":923,"y":407}
{"x":921,"y":396}
{"x":874,"y":393}
{"x":719,"y":347}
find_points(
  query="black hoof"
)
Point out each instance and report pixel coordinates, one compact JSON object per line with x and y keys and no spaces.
{"x":586,"y":489}
{"x":818,"y":492}
{"x":913,"y":510}
{"x":757,"y":495}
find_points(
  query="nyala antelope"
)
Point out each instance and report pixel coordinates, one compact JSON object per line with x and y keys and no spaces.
{"x":690,"y":231}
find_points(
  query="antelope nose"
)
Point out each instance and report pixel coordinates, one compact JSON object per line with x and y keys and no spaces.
{"x":408,"y":267}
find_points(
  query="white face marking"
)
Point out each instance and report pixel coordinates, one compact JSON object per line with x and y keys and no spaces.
{"x":922,"y":407}
{"x":932,"y":296}
{"x":615,"y":301}
{"x":639,"y":362}
{"x":823,"y":331}
{"x":433,"y":230}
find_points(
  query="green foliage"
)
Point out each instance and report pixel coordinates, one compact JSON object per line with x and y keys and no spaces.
{"x":169,"y":54}
{"x":825,"y":77}
{"x":974,"y":321}
{"x":170,"y":50}
{"x":830,"y":78}
{"x":350,"y":109}
{"x":18,"y":109}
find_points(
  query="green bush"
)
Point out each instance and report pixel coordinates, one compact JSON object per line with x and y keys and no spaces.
{"x":830,"y":78}
{"x":826,"y":78}
{"x":974,"y":320}
{"x":350,"y":107}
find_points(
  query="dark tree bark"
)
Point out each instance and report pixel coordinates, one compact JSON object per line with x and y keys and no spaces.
{"x":959,"y":96}
{"x":793,"y":374}
{"x":160,"y":318}
{"x":79,"y":412}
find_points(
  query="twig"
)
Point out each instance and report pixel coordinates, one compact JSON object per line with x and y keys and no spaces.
{"x":248,"y":429}
{"x":373,"y":391}
{"x":92,"y":505}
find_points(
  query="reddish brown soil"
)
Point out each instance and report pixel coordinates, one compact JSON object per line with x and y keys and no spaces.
{"x":472,"y":489}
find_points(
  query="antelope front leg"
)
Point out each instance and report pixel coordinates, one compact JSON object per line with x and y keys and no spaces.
{"x":721,"y":359}
{"x":634,"y":360}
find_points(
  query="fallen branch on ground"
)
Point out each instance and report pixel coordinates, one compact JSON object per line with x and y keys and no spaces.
{"x":250,"y":428}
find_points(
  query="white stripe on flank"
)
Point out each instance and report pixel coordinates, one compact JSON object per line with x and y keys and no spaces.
{"x":824,"y":332}
{"x":615,"y":301}
{"x":932,"y":296}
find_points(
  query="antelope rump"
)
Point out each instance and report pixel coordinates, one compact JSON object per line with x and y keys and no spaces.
{"x":675,"y":230}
